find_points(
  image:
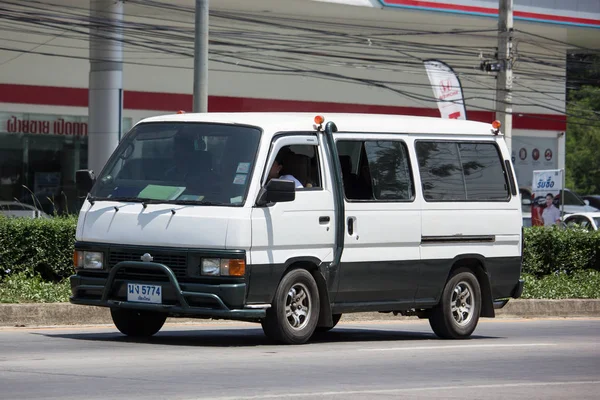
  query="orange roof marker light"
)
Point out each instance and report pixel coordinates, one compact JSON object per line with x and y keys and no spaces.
{"x":319,"y":119}
{"x":496,"y":127}
{"x":180,"y":112}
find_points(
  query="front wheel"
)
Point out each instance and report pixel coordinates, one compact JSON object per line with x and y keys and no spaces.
{"x":137,"y":323}
{"x":294,"y":312}
{"x":457,"y":314}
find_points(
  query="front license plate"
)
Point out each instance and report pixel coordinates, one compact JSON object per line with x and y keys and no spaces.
{"x":144,"y":293}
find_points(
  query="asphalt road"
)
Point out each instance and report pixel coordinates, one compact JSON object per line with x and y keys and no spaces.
{"x":505,"y":359}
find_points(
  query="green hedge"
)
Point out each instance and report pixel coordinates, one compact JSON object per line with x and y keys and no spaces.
{"x":46,"y":246}
{"x":38,"y":245}
{"x":553,"y":250}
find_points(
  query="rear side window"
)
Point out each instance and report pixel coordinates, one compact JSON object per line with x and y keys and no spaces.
{"x":461,"y":171}
{"x":483,"y":170}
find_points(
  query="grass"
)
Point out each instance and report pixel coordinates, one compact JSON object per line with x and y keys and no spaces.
{"x":24,"y":288}
{"x":583,"y":284}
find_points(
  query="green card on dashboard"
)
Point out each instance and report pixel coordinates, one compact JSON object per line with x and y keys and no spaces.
{"x":159,"y":192}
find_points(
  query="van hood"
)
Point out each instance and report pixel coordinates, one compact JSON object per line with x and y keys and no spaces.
{"x":167,"y":225}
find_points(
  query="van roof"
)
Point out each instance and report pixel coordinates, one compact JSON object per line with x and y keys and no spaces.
{"x":345,"y":122}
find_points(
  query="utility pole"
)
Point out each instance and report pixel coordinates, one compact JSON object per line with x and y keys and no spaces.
{"x":105,"y":81}
{"x":505,"y":76}
{"x":201,"y":57}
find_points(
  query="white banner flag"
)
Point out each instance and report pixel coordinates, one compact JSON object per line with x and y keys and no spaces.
{"x":446,"y":89}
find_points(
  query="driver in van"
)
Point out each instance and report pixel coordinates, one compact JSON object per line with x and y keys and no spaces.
{"x":277,"y":167}
{"x":187,"y":162}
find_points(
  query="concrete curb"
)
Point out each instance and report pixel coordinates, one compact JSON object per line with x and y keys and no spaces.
{"x":64,"y":314}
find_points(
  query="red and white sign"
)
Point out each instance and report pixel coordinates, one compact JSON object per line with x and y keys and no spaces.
{"x":446,"y":90}
{"x":43,"y":125}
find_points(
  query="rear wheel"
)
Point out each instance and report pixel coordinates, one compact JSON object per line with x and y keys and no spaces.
{"x":336,"y":318}
{"x":294,"y":312}
{"x":137,"y":323}
{"x":457,"y":314}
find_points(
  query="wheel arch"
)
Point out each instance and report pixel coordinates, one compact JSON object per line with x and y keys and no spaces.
{"x":315,"y":267}
{"x":477,"y":264}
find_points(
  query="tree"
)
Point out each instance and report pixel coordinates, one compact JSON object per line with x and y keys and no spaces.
{"x":583,"y":140}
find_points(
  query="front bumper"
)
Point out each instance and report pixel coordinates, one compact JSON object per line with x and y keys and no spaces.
{"x":179,"y":300}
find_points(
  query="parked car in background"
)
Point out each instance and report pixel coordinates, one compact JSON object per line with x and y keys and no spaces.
{"x":593,"y":200}
{"x":589,"y":221}
{"x":16,"y":209}
{"x":573,"y":203}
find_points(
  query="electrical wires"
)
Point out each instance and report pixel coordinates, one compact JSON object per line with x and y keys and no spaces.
{"x":160,"y":34}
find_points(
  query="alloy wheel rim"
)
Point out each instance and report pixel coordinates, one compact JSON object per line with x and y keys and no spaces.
{"x":298,"y":306}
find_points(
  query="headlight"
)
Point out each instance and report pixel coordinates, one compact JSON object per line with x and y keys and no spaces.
{"x":211,"y":266}
{"x":92,"y":260}
{"x":223,"y":267}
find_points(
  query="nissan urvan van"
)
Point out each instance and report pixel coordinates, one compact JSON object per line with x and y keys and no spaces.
{"x":291,"y":220}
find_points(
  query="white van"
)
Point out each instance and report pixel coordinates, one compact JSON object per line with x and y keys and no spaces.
{"x":293,"y":219}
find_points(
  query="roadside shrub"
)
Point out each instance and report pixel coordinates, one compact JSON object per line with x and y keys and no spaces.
{"x":549,"y":251}
{"x":44,"y":246}
{"x":583,"y":284}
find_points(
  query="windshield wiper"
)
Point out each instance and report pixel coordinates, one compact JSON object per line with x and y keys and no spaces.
{"x":129,"y":199}
{"x":145,"y":202}
{"x":197,"y":202}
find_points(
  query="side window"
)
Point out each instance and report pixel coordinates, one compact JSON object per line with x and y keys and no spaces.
{"x":376,"y":170}
{"x":299,"y":163}
{"x":390,"y":170}
{"x":441,"y":172}
{"x":585,"y":223}
{"x":454,"y":171}
{"x":484,"y":175}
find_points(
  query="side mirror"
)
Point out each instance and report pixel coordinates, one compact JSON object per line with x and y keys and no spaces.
{"x":526,"y":202}
{"x":277,"y":191}
{"x":587,"y":202}
{"x":84,"y":180}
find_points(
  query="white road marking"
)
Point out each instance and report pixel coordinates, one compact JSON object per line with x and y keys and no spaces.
{"x":398,"y":391}
{"x":460,"y":346}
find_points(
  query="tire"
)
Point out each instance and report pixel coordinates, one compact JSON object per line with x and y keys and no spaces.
{"x":336,"y":319}
{"x":294,"y":313}
{"x":451,"y":319}
{"x":137,"y":323}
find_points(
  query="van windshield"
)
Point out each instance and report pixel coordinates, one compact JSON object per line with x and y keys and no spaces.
{"x":181,"y":163}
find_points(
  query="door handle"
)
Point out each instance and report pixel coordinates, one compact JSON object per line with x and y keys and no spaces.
{"x":324,"y":220}
{"x":350,"y":226}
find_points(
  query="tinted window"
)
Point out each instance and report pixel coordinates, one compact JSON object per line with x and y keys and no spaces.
{"x":482,"y":168}
{"x":390,"y":171}
{"x":441,"y":172}
{"x":376,"y":170}
{"x":453,"y":171}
